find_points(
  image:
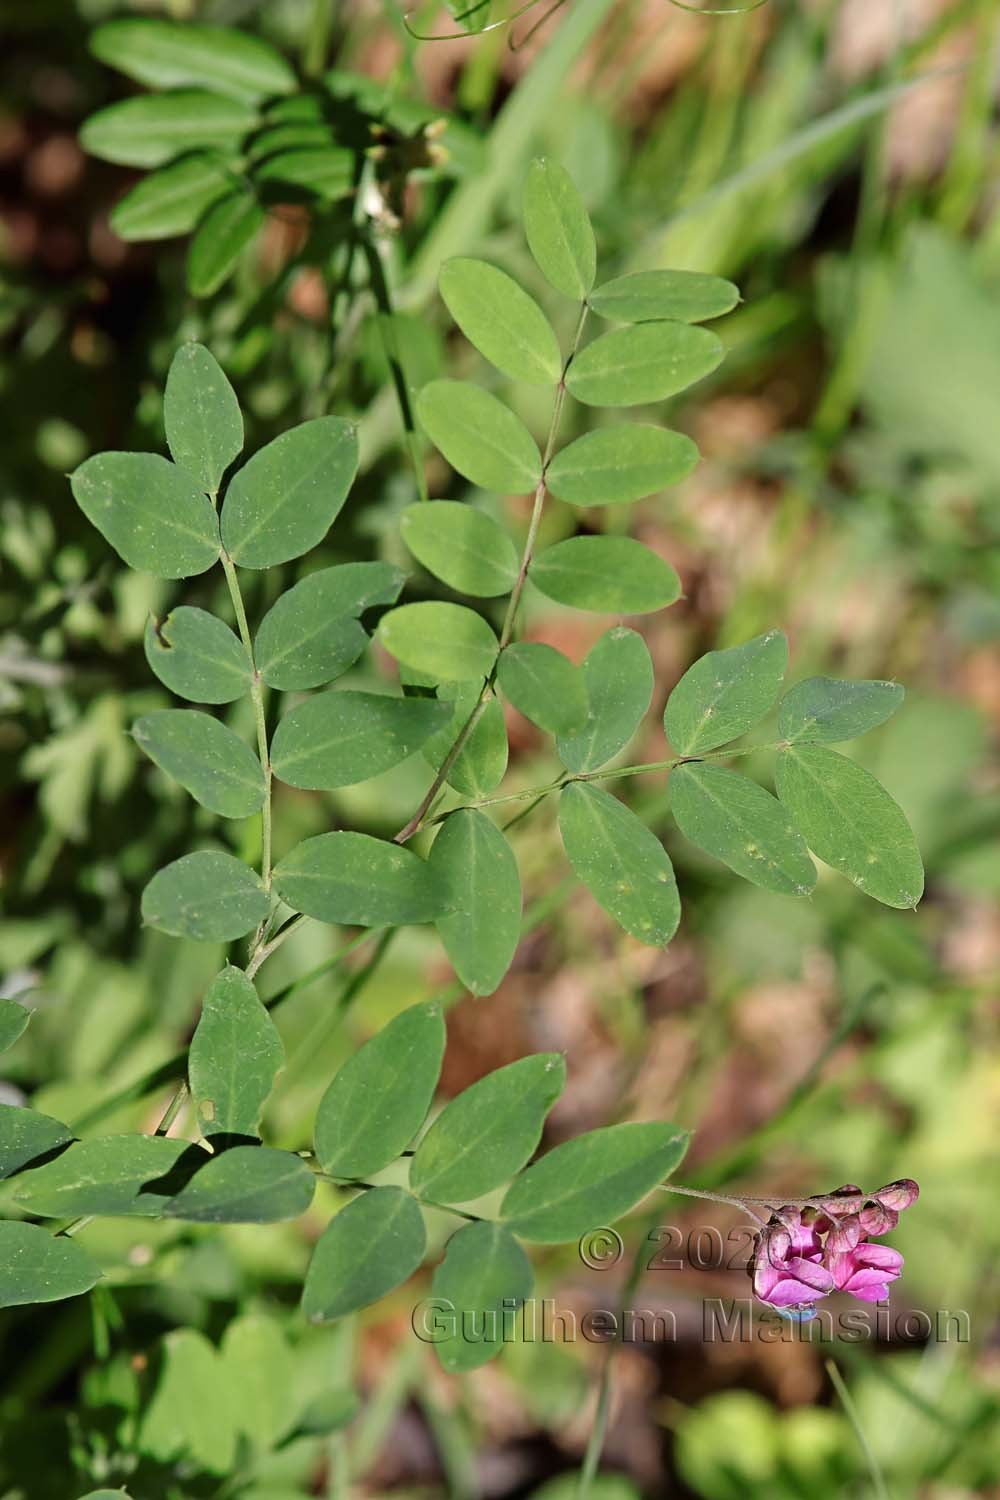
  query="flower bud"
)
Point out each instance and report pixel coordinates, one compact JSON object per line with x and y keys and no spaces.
{"x":876,"y":1219}
{"x":898,"y":1195}
{"x":843,"y":1200}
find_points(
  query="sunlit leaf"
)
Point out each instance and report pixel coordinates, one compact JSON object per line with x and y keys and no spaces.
{"x":325,"y":172}
{"x":591,"y":1180}
{"x":544,"y":685}
{"x":634,"y":366}
{"x":170,"y":54}
{"x":223,"y":234}
{"x":151,"y":129}
{"x":206,"y":757}
{"x":355,"y":879}
{"x":209,"y":896}
{"x":480,"y":437}
{"x":483,"y":1137}
{"x":27,"y":1136}
{"x":849,"y":819}
{"x":14,"y":1019}
{"x":618,"y":676}
{"x":151,"y":511}
{"x":463,"y":547}
{"x":197,"y":656}
{"x":128,"y":1175}
{"x":446,"y":641}
{"x":171,"y":201}
{"x":284,"y":500}
{"x":740,"y":823}
{"x":621,"y":463}
{"x":387,"y":1223}
{"x":607,"y":574}
{"x":481,"y":934}
{"x":501,"y":320}
{"x":234,"y":1057}
{"x":558,"y":229}
{"x":622,"y":864}
{"x":651,"y":296}
{"x":380,"y":1097}
{"x":725,"y":693}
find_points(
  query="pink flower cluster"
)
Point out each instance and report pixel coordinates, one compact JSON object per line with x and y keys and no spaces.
{"x":823,"y":1245}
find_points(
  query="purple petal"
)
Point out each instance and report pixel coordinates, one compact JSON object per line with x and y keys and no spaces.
{"x":875,"y":1218}
{"x":882,"y":1256}
{"x":788,"y":1292}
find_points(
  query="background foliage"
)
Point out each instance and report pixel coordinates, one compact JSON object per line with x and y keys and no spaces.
{"x":848,"y":493}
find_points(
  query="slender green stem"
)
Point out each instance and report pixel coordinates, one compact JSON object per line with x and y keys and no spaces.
{"x":851,"y":1411}
{"x":173,"y":1109}
{"x":257,"y":696}
{"x":510,"y":619}
{"x":379,"y":283}
{"x":264,"y":950}
{"x":744,"y":1203}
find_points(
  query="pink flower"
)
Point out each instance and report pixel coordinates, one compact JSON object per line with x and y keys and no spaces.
{"x":865,"y":1271}
{"x":787,"y":1267}
{"x":898,"y":1195}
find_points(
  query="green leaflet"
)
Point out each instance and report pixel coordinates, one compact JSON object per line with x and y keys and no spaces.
{"x":354,"y":878}
{"x":821,"y":708}
{"x":36,"y":1266}
{"x":591,"y":1180}
{"x":171,"y":201}
{"x":245,"y":1185}
{"x":340,"y":738}
{"x":128,"y":1175}
{"x":325,"y":172}
{"x":387,"y":1223}
{"x":380,"y":1097}
{"x":608,"y":574}
{"x":209,"y":896}
{"x":851,"y":822}
{"x":206,"y":757}
{"x":172,"y":54}
{"x":484,"y":1278}
{"x":14,"y":1020}
{"x":151,"y":512}
{"x":447,"y":641}
{"x":152,"y":129}
{"x":285,"y":499}
{"x":618,"y":676}
{"x":481,"y":934}
{"x":634,"y":366}
{"x":202,"y":416}
{"x":545,"y":686}
{"x":234,"y":1057}
{"x":618,"y":464}
{"x":262,"y":1372}
{"x":483,"y":1137}
{"x":740,"y":823}
{"x":223,"y":234}
{"x":26,"y":1136}
{"x":501,"y":320}
{"x":651,"y":296}
{"x":622,"y":864}
{"x":480,"y":437}
{"x":311,"y":634}
{"x":465,"y":548}
{"x":197,"y":656}
{"x":192,"y":1415}
{"x":480,"y":765}
{"x":558,"y":229}
{"x":725,"y":693}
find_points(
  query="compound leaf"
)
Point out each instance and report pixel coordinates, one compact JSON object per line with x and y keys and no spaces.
{"x":26,"y":1135}
{"x":171,"y":201}
{"x":311,"y":634}
{"x":128,"y":1175}
{"x":171,"y":54}
{"x":245,"y":1185}
{"x":821,"y":708}
{"x":36,"y":1266}
{"x":484,"y":1278}
{"x":152,"y":129}
{"x":651,"y":296}
{"x":446,"y":641}
{"x":222,"y":236}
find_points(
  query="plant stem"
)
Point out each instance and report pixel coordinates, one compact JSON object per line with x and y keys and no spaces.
{"x":847,"y":1402}
{"x":257,"y":696}
{"x":669,"y":1187}
{"x":265,"y":950}
{"x":510,"y":619}
{"x":387,"y":332}
{"x":173,"y":1109}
